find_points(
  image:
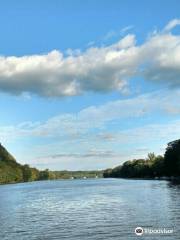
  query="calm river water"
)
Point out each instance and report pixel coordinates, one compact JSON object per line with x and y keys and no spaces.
{"x":106,"y":209}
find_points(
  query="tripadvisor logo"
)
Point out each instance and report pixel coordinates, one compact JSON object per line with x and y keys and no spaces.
{"x":139,"y":231}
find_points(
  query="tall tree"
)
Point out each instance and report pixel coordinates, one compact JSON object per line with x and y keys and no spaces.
{"x":172,"y":158}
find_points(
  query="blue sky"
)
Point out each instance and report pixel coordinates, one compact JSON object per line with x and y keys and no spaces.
{"x":88,"y":84}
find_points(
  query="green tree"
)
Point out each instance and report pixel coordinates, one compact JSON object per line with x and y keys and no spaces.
{"x":151,"y":157}
{"x":172,"y":158}
{"x":158,"y":166}
{"x":44,"y":175}
{"x":27,"y":173}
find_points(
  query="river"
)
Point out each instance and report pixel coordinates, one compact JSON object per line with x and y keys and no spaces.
{"x":89,"y":209}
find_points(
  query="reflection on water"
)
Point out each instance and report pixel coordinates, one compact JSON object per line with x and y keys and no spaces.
{"x":88,"y":209}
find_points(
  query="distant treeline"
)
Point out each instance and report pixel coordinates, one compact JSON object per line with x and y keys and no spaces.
{"x":75,"y":174}
{"x":151,"y":167}
{"x":13,"y":172}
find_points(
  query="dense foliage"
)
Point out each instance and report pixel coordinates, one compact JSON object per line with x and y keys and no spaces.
{"x":139,"y":168}
{"x":12,"y":172}
{"x":172,"y":158}
{"x":153,"y":166}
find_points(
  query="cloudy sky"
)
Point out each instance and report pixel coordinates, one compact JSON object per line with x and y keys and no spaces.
{"x":88,"y":84}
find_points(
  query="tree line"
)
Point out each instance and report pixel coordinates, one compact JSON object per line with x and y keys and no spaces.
{"x":151,"y":167}
{"x":13,"y":172}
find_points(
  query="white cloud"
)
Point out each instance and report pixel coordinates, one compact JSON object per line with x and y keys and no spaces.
{"x":98,"y":69}
{"x":116,"y":33}
{"x":163,"y":59}
{"x":54,"y":75}
{"x":127,"y":28}
{"x":173,"y":23}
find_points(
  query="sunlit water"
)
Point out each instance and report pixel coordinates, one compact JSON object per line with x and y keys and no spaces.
{"x":88,"y":209}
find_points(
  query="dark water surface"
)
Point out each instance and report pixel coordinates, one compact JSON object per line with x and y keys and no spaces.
{"x":88,"y":209}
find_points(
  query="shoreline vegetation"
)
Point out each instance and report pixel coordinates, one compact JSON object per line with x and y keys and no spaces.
{"x":13,"y":172}
{"x":159,"y":167}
